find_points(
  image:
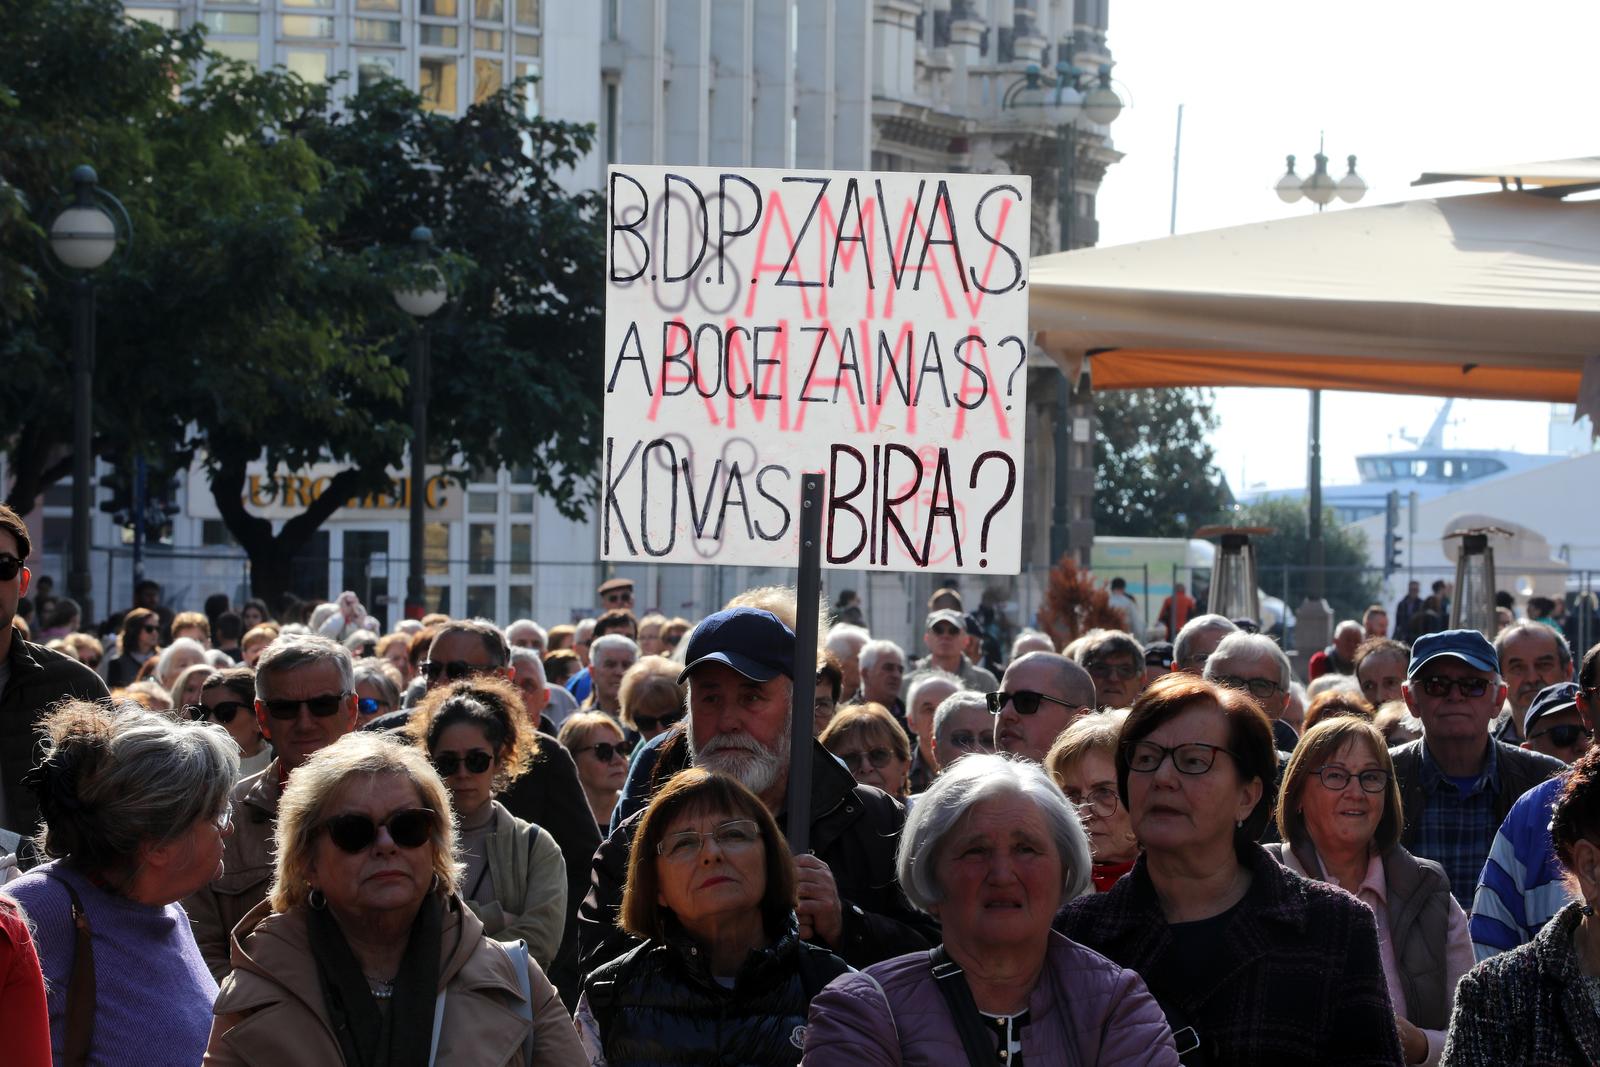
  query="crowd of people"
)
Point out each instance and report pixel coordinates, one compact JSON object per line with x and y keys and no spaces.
{"x":230,"y":838}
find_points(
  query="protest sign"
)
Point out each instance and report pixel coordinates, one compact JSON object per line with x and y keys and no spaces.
{"x":761,"y":324}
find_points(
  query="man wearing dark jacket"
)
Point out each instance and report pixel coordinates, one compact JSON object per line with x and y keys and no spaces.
{"x":32,"y":678}
{"x":740,"y":703}
{"x":1456,"y":782}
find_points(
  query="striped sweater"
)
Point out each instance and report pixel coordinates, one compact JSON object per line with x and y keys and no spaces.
{"x":1521,"y":887}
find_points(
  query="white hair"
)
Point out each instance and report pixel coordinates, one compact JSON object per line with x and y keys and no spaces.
{"x":921,"y":680}
{"x":165,"y":660}
{"x":218,"y":658}
{"x":873,"y":650}
{"x":846,"y":639}
{"x":608,"y":642}
{"x":1031,"y":637}
{"x":1330,"y":682}
{"x":529,"y":658}
{"x":290,"y":651}
{"x":1193,"y":629}
{"x":971,"y":781}
{"x":527,"y":624}
{"x":960,"y":700}
{"x":1245,"y":646}
{"x":1348,"y":626}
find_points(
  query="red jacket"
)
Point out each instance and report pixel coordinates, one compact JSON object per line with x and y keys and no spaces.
{"x":24,"y":1018}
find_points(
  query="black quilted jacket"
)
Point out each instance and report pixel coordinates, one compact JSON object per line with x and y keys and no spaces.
{"x":659,"y":1004}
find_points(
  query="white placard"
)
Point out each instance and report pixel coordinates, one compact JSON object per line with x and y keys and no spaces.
{"x":765,"y":323}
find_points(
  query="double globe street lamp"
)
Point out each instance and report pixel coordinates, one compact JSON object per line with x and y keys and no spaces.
{"x":420,"y":298}
{"x":83,"y":238}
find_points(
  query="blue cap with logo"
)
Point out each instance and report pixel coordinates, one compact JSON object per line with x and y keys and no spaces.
{"x":1551,"y":699}
{"x":753,"y":642}
{"x":1469,"y":646}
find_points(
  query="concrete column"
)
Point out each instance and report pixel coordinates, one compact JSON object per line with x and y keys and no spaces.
{"x":687,"y":35}
{"x":852,"y":81}
{"x":641,"y":121}
{"x":894,"y":40}
{"x":733,"y":83}
{"x":814,"y":60}
{"x":772,"y":66}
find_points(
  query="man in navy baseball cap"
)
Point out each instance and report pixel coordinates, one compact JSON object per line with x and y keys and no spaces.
{"x":1457,"y":782}
{"x":1554,"y":726}
{"x":739,"y":666}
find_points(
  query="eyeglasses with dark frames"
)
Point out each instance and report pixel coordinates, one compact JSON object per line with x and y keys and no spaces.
{"x":1438,"y":686}
{"x":1193,"y":757}
{"x":878,"y":758}
{"x":648,"y":723}
{"x":972,"y":741}
{"x":1564,"y":736}
{"x":606,"y":751}
{"x":1335,"y":778}
{"x":1260,"y":688}
{"x":476,"y":761}
{"x":1104,"y":672}
{"x":9,"y":567}
{"x":1026,"y":701}
{"x":408,"y":828}
{"x":222,"y":712}
{"x":322,"y":707}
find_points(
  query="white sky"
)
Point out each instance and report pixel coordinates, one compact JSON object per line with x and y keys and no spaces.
{"x":1405,"y":85}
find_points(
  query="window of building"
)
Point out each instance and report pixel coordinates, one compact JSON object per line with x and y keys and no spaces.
{"x":314,"y":26}
{"x":489,"y":10}
{"x":377,"y":31}
{"x":436,"y":82}
{"x":527,"y":12}
{"x":439,"y":36}
{"x":372,"y":67}
{"x":244,"y":51}
{"x":438,"y":8}
{"x":312,"y":65}
{"x":165,"y":17}
{"x":378,"y":5}
{"x":488,"y":78}
{"x":489,"y":40}
{"x":238,"y":23}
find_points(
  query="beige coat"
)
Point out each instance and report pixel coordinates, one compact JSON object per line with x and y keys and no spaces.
{"x":271,"y":1011}
{"x":530,"y":886}
{"x":247,"y":869}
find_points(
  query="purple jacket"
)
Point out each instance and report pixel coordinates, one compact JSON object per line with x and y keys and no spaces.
{"x":1085,"y":1011}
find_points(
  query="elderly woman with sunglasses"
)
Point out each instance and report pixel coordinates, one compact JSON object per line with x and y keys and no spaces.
{"x":515,"y":877}
{"x":722,"y":975}
{"x":1339,"y":812}
{"x":228,"y":699}
{"x":651,"y":698}
{"x":991,"y":850}
{"x":601,"y":751}
{"x":868,"y":741}
{"x":364,"y":953}
{"x":1253,"y":964}
{"x":1083,"y":762}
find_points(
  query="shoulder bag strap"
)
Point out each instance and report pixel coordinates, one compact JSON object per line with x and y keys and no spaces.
{"x":952,"y":985}
{"x":438,"y":1027}
{"x":80,"y":987}
{"x":518,"y":951}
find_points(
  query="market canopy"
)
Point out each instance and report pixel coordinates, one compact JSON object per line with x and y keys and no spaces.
{"x":1563,"y":175}
{"x":1492,"y":296}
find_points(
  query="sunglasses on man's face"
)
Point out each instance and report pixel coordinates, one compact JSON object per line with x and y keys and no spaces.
{"x":455,"y":669}
{"x":1438,"y":686}
{"x":648,"y":723}
{"x":222,"y":713}
{"x":408,"y":828}
{"x":1026,"y":701}
{"x":946,"y":630}
{"x":476,"y":761}
{"x":619,"y":598}
{"x":322,"y":707}
{"x":9,"y":567}
{"x":1564,"y":736}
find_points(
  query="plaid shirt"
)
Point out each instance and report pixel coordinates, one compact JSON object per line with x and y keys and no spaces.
{"x":1456,"y":829}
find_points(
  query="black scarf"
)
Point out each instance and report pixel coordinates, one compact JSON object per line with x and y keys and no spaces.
{"x":368,"y":1037}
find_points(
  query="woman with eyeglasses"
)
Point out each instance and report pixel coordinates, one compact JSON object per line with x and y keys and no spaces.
{"x":364,"y":953}
{"x":872,"y":745}
{"x":1246,"y":958}
{"x":722,"y":975}
{"x":1083,"y":762}
{"x":962,"y":725}
{"x":228,"y":698}
{"x":1339,"y":812}
{"x":515,"y":877}
{"x":597,"y":745}
{"x":650,"y":697}
{"x":135,"y":810}
{"x":137,"y":641}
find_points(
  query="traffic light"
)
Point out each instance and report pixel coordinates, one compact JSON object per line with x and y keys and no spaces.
{"x":120,"y":501}
{"x":1391,"y":535}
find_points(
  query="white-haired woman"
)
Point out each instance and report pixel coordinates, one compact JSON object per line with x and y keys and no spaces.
{"x":363,"y":953}
{"x":991,"y":850}
{"x":135,"y":808}
{"x":183,"y":653}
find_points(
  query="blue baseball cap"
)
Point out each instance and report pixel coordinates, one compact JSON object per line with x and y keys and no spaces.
{"x":1551,"y":699}
{"x":753,"y":642}
{"x":1469,"y":646}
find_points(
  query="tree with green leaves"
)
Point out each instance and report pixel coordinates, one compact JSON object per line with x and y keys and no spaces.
{"x":1154,"y":469}
{"x":254,"y":316}
{"x":1349,"y":586}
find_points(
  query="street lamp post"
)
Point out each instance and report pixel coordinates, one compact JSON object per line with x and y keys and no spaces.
{"x":1313,"y":619}
{"x":1072,"y":94}
{"x":419,"y":303}
{"x":83,"y":237}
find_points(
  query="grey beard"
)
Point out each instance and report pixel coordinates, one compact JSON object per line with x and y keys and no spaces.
{"x":742,"y":758}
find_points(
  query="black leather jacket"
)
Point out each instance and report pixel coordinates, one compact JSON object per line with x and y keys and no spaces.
{"x":659,"y":1004}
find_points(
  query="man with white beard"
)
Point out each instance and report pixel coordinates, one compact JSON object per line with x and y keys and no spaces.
{"x":739,"y":666}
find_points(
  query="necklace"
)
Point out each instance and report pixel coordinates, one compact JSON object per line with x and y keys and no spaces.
{"x":380,"y":989}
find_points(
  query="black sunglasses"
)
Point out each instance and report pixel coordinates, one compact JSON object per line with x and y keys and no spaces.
{"x":944,"y":629}
{"x":448,"y":763}
{"x":646,"y":723}
{"x":9,"y":566}
{"x":878,"y":758}
{"x":605,"y":750}
{"x":322,"y":707}
{"x":1436,"y":685}
{"x":1564,"y":736}
{"x":1025,"y":700}
{"x":408,"y":828}
{"x":455,"y":669}
{"x":151,"y":628}
{"x":222,"y":713}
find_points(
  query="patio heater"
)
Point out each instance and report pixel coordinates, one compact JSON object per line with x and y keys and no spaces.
{"x":1235,"y":590}
{"x":1473,"y":606}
